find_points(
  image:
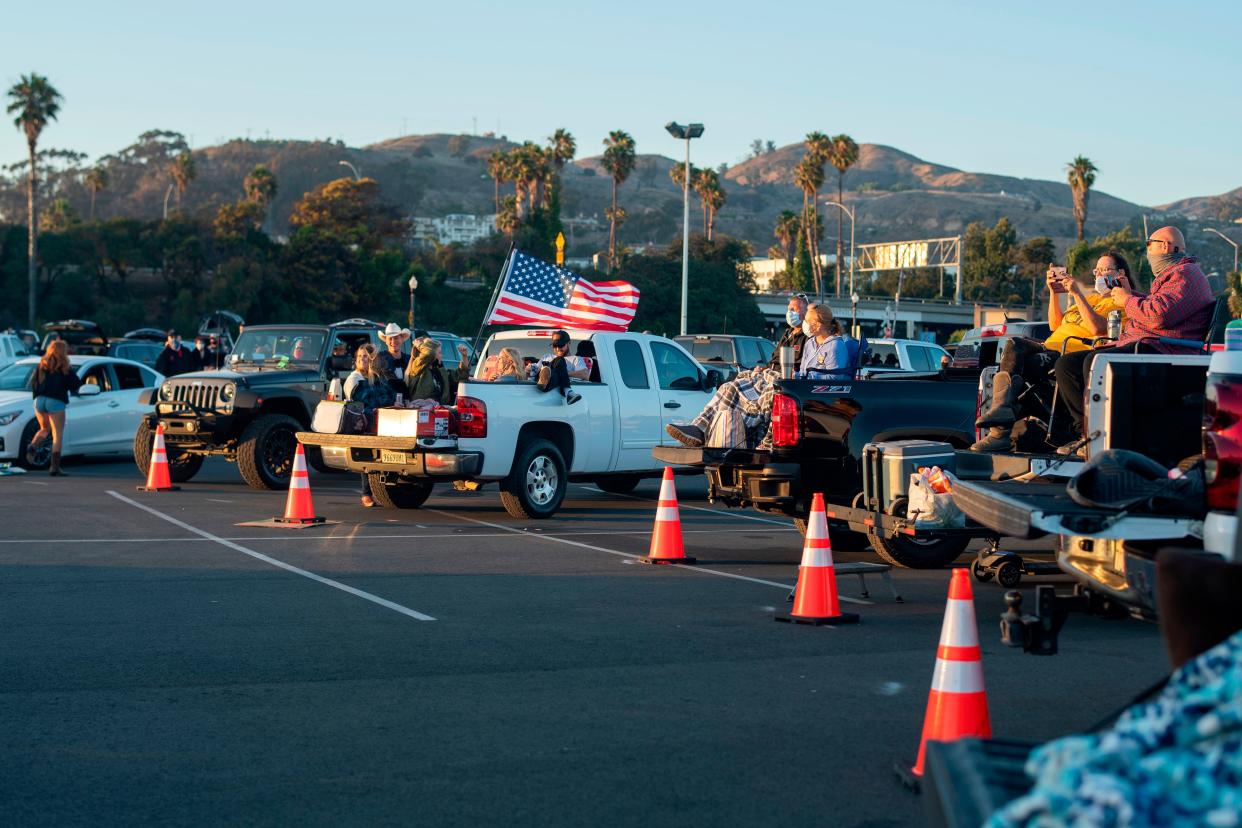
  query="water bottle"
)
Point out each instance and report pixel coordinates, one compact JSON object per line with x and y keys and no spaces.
{"x":1233,"y":335}
{"x":1114,"y":325}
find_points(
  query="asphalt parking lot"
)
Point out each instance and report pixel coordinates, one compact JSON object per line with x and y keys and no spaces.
{"x":453,"y":666}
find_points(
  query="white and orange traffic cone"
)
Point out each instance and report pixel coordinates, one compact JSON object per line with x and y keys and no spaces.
{"x":815,"y":597}
{"x":298,"y":506}
{"x":158,"y":478}
{"x":666,"y":545}
{"x":957,"y":706}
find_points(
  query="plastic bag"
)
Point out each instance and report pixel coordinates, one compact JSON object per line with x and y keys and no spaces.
{"x":929,"y":508}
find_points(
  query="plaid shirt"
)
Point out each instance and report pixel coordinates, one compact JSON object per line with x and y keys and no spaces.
{"x":1179,"y":305}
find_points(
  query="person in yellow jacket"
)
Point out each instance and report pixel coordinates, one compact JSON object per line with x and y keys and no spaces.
{"x":1028,"y":361}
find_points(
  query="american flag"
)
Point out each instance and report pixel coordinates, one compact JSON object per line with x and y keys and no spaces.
{"x":534,"y":292}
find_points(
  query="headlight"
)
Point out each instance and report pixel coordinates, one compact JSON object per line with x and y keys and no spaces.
{"x":227,"y":392}
{"x":8,"y":417}
{"x":166,"y":392}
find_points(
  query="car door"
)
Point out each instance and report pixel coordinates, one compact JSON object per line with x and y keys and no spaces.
{"x":680,"y":381}
{"x":130,"y":382}
{"x":639,"y":419}
{"x":90,"y":419}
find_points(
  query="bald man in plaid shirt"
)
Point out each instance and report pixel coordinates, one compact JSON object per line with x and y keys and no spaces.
{"x":1179,"y":306}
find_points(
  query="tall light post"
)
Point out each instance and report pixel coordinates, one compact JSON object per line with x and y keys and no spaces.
{"x":685,"y":133}
{"x":357,"y":175}
{"x":854,"y":316}
{"x":849,"y":213}
{"x":1231,"y":241}
{"x":413,"y":283}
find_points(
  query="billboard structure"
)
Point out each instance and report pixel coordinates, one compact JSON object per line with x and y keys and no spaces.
{"x":908,"y":255}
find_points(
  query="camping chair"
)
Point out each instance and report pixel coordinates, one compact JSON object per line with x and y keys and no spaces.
{"x":1215,"y":331}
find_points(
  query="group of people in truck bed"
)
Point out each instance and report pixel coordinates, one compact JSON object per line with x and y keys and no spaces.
{"x":1173,"y":317}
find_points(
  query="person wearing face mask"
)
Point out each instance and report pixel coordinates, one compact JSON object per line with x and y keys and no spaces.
{"x":1026,"y":362}
{"x":825,"y":353}
{"x":794,"y":336}
{"x":175,"y":358}
{"x":1178,"y":306}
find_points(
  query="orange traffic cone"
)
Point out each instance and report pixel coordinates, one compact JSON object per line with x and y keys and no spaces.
{"x":666,"y":545}
{"x":958,"y":705}
{"x":815,"y":596}
{"x":298,"y":506}
{"x":158,"y":479}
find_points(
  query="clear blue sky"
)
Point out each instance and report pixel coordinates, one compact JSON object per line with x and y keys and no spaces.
{"x":1001,"y":87}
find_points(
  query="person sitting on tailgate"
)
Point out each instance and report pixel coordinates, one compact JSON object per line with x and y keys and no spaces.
{"x":1028,"y":361}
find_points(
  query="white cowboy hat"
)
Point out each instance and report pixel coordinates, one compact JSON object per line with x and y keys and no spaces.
{"x":394,"y":330}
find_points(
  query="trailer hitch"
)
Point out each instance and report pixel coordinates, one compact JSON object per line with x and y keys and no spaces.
{"x":1038,"y":633}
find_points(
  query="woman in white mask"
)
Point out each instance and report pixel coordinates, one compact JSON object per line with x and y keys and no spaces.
{"x":825,"y":353}
{"x":1027,"y":361}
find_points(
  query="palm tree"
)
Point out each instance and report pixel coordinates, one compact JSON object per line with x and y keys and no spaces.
{"x":561,"y":149}
{"x":809,"y":177}
{"x":786,"y":231}
{"x":716,"y":198}
{"x":842,"y":154}
{"x":618,"y":160}
{"x":1081,"y":177}
{"x":260,"y":186}
{"x":497,"y":168}
{"x":507,"y":218}
{"x":35,"y":101}
{"x":183,"y":171}
{"x":96,"y":179}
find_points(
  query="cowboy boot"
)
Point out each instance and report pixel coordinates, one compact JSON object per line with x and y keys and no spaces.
{"x":997,"y":439}
{"x":1004,"y":410}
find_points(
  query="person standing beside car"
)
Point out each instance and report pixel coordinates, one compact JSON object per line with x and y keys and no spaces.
{"x":52,"y":383}
{"x":1029,"y":361}
{"x":175,"y":358}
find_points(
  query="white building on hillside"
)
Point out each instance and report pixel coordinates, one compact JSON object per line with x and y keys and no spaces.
{"x":455,"y":228}
{"x":767,"y":271}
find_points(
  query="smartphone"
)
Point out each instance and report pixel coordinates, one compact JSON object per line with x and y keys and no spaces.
{"x":1059,"y":275}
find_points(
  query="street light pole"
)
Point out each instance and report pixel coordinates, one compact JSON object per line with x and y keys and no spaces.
{"x":413,"y":283}
{"x":685,"y":133}
{"x":357,"y":175}
{"x":1231,"y":241}
{"x":849,"y":213}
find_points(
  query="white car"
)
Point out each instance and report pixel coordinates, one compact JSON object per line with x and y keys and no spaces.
{"x":907,"y":356}
{"x":101,"y":418}
{"x":12,"y":348}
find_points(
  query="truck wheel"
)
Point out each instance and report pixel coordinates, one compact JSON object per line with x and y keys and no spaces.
{"x":182,"y":466}
{"x":537,"y":484}
{"x":846,"y":540}
{"x":43,"y":457}
{"x":618,"y":483}
{"x":924,"y":553}
{"x":394,"y":492}
{"x":265,"y":451}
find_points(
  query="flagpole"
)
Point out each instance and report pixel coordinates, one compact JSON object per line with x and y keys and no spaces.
{"x":491,"y":306}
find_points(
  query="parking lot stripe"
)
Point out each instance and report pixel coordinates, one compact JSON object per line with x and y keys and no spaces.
{"x":617,"y":552}
{"x":722,"y":512}
{"x":357,"y":593}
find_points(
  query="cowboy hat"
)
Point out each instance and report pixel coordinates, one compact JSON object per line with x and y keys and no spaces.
{"x":394,"y":330}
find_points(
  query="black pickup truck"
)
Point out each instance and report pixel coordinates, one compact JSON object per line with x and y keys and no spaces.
{"x":819,"y":430}
{"x":251,"y":411}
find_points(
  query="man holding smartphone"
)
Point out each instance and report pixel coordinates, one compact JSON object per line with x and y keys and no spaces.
{"x":1028,"y":361}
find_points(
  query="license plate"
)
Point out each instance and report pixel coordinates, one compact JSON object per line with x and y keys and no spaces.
{"x":388,"y":456}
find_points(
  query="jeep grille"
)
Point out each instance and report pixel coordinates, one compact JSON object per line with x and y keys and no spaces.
{"x":201,"y":397}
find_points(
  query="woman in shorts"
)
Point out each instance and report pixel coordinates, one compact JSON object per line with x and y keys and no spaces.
{"x":52,"y":383}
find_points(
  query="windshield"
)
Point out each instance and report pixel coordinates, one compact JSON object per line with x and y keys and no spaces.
{"x":279,"y":348}
{"x":17,"y":377}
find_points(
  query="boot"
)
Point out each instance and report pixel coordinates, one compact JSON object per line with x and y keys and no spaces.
{"x":997,"y":439}
{"x":1004,"y":411}
{"x":54,"y":470}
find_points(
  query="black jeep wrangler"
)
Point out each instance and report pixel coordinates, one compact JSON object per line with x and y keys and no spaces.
{"x":250,"y":411}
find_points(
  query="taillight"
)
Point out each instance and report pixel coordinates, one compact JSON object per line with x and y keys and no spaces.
{"x":784,"y":420}
{"x":992,"y":330}
{"x":471,"y":417}
{"x":1222,"y":442}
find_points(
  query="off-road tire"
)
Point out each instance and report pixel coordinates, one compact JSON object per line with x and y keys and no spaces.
{"x":535,"y":489}
{"x":28,"y":433}
{"x":182,"y":466}
{"x":908,"y":553}
{"x":618,"y":483}
{"x":265,"y":451}
{"x":392,"y":492}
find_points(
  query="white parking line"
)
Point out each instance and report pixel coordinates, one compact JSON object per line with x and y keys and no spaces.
{"x":630,"y":555}
{"x":721,"y":512}
{"x":357,"y":593}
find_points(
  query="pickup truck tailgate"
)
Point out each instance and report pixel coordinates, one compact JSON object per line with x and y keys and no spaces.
{"x":1021,"y":508}
{"x":681,"y":456}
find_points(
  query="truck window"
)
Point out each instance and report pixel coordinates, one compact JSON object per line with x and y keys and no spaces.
{"x":674,"y":369}
{"x":128,"y":376}
{"x":710,"y":350}
{"x":919,"y":360}
{"x":630,"y":364}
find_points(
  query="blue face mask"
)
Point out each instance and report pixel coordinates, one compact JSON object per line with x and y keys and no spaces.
{"x":793,"y":318}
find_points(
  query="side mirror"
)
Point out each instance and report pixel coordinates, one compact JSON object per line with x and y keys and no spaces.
{"x":713,"y":379}
{"x":89,"y":390}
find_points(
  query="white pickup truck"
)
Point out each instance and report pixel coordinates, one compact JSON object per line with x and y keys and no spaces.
{"x":533,"y":443}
